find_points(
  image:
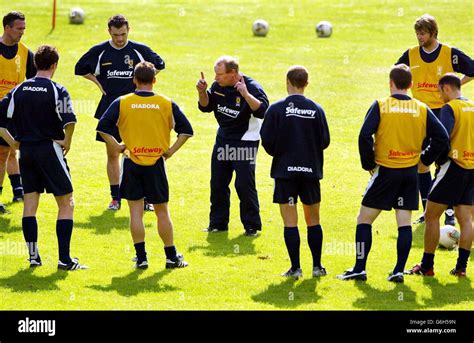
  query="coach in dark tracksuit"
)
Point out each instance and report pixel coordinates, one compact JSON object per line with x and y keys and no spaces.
{"x":239,"y":103}
{"x":295,"y":133}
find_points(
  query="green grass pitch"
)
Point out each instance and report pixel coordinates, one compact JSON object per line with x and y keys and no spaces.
{"x":348,"y":71}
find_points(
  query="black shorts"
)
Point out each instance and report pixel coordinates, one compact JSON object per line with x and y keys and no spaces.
{"x":452,"y":185}
{"x":392,"y":188}
{"x":150,"y":182}
{"x":43,"y":167}
{"x":288,"y":190}
{"x":104,"y":103}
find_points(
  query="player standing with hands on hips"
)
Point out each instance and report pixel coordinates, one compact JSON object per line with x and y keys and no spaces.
{"x":110,"y":66}
{"x":428,"y":61}
{"x":144,"y":120}
{"x":390,"y":148}
{"x":42,"y":115}
{"x":239,"y":104}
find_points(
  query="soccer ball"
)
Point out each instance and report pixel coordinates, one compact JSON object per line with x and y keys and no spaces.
{"x":260,"y":28}
{"x":324,"y":29}
{"x":448,"y":237}
{"x":76,"y":15}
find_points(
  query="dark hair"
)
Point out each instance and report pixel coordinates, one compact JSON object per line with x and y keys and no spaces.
{"x":427,"y":23}
{"x":45,"y":57}
{"x":230,"y":63}
{"x":145,"y":72}
{"x":298,"y":76}
{"x":401,"y":76}
{"x":10,"y":18}
{"x":117,"y":21}
{"x":450,"y":79}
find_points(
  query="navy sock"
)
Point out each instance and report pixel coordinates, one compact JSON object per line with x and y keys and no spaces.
{"x":427,"y":262}
{"x":64,"y":233}
{"x":424,"y":180}
{"x":315,"y":242}
{"x":30,"y":232}
{"x":363,"y":245}
{"x":115,"y":192}
{"x":15,"y":181}
{"x":462,"y":259}
{"x":292,"y":241}
{"x":170,"y":253}
{"x":141,"y":253}
{"x":403,"y":248}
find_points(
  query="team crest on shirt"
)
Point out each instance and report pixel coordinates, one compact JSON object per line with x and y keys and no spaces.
{"x":128,"y":61}
{"x":237,"y":101}
{"x":440,"y":71}
{"x":18,"y":63}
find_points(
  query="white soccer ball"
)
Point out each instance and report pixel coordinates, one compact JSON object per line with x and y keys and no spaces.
{"x":76,"y":15}
{"x":448,"y":237}
{"x":324,"y":29}
{"x":260,"y":28}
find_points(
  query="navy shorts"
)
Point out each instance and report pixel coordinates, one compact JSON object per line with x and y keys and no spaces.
{"x":392,"y":188}
{"x":452,"y":185}
{"x":43,"y":167}
{"x":150,"y":182}
{"x":288,"y":190}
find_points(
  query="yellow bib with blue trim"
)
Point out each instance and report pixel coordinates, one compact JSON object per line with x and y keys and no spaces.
{"x":144,"y":124}
{"x":462,"y":136}
{"x":400,"y":133}
{"x":13,"y":71}
{"x":426,"y":75}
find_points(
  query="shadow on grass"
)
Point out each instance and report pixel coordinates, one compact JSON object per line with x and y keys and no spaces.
{"x":290,"y":293}
{"x":130,"y":285}
{"x":221,"y":246}
{"x":453,"y":293}
{"x":402,"y":297}
{"x":105,"y":223}
{"x":5,"y":224}
{"x":26,"y":281}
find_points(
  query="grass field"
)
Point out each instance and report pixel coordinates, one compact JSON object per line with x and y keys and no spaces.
{"x":231,"y":271}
